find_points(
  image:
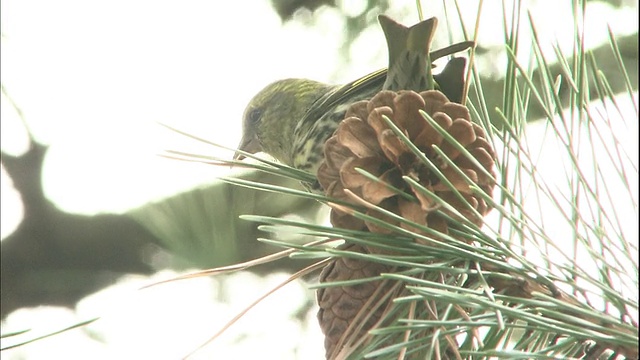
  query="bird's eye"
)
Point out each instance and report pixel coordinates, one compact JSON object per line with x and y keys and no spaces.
{"x":254,"y":115}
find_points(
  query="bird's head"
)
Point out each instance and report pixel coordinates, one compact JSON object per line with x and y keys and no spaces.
{"x":271,"y":117}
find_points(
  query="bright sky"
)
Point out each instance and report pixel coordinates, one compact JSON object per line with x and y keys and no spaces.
{"x":93,"y":79}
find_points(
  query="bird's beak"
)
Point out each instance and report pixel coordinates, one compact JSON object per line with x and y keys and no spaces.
{"x":248,"y":144}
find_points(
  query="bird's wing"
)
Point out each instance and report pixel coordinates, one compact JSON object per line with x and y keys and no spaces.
{"x":370,"y":83}
{"x":367,"y":84}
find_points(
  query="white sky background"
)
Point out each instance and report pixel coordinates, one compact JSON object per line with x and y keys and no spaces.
{"x":93,"y":78}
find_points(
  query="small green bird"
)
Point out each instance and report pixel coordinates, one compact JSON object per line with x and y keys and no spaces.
{"x":291,"y":119}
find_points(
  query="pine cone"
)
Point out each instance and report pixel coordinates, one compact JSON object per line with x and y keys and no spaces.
{"x":363,"y":140}
{"x":340,"y":305}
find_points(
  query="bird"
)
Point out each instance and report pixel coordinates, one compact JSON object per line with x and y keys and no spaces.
{"x":291,"y":119}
